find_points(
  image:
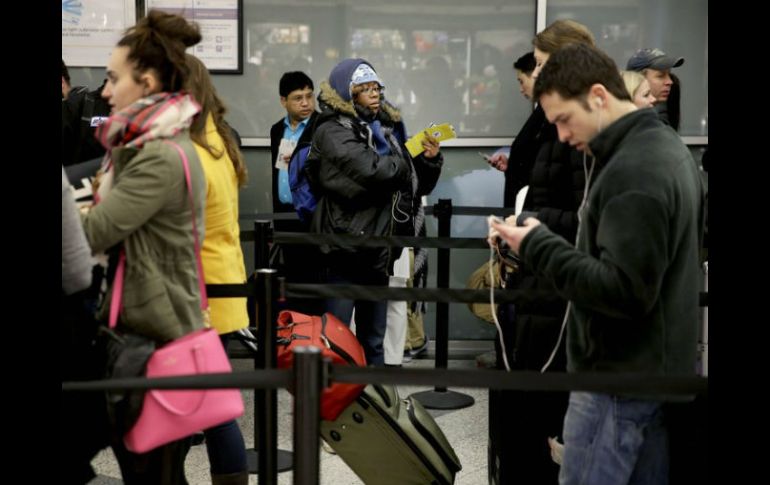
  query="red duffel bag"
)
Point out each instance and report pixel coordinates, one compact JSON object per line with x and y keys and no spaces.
{"x":337,"y":343}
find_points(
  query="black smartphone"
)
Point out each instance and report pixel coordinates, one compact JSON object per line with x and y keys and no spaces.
{"x":499,"y":242}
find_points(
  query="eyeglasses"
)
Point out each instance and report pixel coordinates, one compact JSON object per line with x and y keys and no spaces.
{"x":300,"y":98}
{"x":373,"y":89}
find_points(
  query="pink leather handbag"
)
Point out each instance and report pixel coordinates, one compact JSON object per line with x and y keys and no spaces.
{"x":169,"y":415}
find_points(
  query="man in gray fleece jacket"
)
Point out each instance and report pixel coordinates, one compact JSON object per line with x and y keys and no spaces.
{"x":633,"y":278}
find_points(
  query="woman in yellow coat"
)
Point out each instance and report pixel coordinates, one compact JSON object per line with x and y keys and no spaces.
{"x":221,"y":252}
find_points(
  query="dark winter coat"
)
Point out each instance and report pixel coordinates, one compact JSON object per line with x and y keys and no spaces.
{"x":555,"y":174}
{"x":635,"y":275}
{"x":360,"y":191}
{"x":81,"y":112}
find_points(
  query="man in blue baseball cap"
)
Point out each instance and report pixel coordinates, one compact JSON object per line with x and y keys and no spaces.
{"x":656,"y":66}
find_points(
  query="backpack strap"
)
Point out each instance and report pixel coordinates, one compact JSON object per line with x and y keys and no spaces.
{"x":85,"y":124}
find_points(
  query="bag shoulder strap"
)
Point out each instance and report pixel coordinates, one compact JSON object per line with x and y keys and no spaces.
{"x":117,"y":287}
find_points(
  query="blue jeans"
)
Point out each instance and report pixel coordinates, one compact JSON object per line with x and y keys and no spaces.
{"x":371,"y":316}
{"x":613,"y":440}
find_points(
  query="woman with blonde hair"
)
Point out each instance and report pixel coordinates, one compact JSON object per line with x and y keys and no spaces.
{"x":639,"y":89}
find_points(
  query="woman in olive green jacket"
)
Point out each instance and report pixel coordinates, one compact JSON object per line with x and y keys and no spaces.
{"x":143,"y":205}
{"x":148,"y":212}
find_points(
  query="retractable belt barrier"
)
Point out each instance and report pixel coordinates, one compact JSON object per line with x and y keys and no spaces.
{"x":457,"y":210}
{"x":377,"y":293}
{"x":611,"y":383}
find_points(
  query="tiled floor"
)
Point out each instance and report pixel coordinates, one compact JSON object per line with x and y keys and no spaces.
{"x":466,"y":430}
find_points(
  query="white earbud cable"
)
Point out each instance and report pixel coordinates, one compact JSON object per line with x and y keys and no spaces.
{"x":588,"y":174}
{"x":492,"y":303}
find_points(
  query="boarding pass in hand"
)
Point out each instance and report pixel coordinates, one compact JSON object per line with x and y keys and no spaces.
{"x":440,"y":132}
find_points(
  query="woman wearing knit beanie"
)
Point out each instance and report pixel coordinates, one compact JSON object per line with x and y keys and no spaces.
{"x":366,"y":183}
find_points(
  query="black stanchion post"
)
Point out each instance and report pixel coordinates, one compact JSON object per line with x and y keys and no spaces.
{"x":261,"y":244}
{"x":266,"y":459}
{"x":261,"y":260}
{"x":265,"y":399}
{"x":440,"y":397}
{"x":307,"y":413}
{"x":443,"y":211}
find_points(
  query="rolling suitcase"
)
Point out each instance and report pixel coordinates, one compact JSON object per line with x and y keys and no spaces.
{"x":387,"y":440}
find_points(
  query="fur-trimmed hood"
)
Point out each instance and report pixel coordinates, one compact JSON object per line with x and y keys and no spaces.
{"x":328,"y":96}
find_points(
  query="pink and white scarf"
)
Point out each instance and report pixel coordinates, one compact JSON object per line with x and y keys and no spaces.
{"x":161,"y":115}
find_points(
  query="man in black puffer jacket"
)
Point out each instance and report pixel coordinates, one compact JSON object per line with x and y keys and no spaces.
{"x":366,"y":183}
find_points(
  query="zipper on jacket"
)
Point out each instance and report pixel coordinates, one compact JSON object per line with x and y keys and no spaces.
{"x":391,"y":224}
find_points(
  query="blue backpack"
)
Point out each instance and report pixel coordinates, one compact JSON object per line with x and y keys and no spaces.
{"x":301,"y":195}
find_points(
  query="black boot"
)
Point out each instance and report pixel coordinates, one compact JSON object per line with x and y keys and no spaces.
{"x":238,"y":478}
